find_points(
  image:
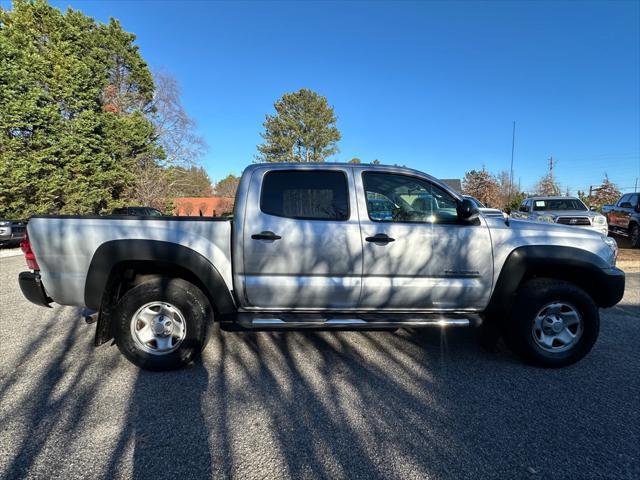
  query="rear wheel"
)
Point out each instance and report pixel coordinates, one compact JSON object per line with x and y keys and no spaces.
{"x":162,"y":324}
{"x":553,"y":323}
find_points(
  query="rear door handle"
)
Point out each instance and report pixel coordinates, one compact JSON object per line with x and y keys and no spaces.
{"x":380,"y":238}
{"x":265,"y":236}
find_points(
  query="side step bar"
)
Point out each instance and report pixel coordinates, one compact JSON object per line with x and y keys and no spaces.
{"x":261,"y":321}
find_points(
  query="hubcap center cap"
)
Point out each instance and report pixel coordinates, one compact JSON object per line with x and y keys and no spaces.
{"x":553,"y":325}
{"x":162,"y":325}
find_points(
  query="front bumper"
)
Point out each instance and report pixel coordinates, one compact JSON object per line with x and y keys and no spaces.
{"x":612,"y":288}
{"x":32,"y":288}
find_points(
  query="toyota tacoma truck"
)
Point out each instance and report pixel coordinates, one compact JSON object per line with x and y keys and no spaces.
{"x":308,"y":248}
{"x":624,"y":217}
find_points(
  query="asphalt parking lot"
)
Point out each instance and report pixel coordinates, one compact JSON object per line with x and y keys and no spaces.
{"x":410,"y":404}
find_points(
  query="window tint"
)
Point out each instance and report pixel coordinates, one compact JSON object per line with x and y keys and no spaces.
{"x":402,"y":198}
{"x":314,"y":195}
{"x":624,"y":198}
{"x":634,"y":199}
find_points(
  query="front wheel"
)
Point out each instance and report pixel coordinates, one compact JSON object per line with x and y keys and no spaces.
{"x":553,"y":323}
{"x":162,"y":324}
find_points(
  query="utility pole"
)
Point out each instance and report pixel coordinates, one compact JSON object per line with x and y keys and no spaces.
{"x":551,"y":166}
{"x":513,"y":144}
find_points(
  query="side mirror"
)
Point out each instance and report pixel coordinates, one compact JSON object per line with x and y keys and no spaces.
{"x":524,"y":209}
{"x":625,"y":205}
{"x":467,"y":210}
{"x":592,"y":208}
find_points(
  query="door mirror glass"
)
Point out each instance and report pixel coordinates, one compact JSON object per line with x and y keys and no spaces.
{"x":467,"y":210}
{"x":592,"y":208}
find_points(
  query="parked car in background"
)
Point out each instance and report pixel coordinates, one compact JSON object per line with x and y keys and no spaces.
{"x":484,"y":210}
{"x":624,"y":217}
{"x":563,"y":211}
{"x":11,"y":232}
{"x":138,"y":211}
{"x":311,"y":247}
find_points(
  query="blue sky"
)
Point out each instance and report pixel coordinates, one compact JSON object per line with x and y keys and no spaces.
{"x":434,"y":86}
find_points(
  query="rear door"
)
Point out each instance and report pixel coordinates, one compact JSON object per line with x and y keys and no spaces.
{"x":419,"y":255}
{"x":301,"y":238}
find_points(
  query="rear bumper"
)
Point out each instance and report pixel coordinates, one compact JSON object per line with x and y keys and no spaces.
{"x":613,"y":290}
{"x":32,"y":289}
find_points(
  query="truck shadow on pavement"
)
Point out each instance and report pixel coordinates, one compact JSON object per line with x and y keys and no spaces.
{"x":307,"y":404}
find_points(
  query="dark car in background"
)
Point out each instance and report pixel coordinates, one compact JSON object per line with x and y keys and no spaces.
{"x":624,"y":217}
{"x":11,"y":232}
{"x":138,"y":211}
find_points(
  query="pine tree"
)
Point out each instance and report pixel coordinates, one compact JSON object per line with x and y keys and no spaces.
{"x":303,"y":129}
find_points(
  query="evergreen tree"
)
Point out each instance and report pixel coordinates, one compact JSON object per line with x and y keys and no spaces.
{"x":228,"y":186}
{"x":74,"y":102}
{"x":303,"y":129}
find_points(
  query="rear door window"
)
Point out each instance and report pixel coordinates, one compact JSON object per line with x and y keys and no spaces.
{"x":311,"y":195}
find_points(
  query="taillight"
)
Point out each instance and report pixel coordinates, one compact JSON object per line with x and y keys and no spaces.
{"x":29,"y":256}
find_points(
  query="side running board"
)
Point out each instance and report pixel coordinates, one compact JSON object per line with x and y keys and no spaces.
{"x":273,"y":321}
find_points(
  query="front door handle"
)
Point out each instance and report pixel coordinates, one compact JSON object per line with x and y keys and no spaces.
{"x":265,"y":236}
{"x":380,"y":238}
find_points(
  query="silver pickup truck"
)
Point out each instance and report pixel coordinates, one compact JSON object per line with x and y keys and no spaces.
{"x":309,"y":247}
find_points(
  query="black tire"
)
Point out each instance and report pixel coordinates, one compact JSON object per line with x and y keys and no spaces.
{"x":191,"y":303}
{"x":531,"y":298}
{"x":634,"y":235}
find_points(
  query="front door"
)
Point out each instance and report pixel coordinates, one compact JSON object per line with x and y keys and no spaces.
{"x":301,"y":240}
{"x":417,"y":254}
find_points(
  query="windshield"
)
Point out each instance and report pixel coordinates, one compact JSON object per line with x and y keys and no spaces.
{"x":559,"y":204}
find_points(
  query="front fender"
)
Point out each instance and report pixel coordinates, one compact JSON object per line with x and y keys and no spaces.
{"x":605,"y":284}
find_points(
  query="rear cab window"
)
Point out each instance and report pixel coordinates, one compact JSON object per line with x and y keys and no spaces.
{"x":305,"y":194}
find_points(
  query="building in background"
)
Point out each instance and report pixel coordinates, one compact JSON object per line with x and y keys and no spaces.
{"x":202,"y":206}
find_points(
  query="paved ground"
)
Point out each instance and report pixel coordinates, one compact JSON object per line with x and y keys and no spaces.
{"x":271,"y":405}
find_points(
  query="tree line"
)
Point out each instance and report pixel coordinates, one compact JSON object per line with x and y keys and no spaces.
{"x":499,"y":191}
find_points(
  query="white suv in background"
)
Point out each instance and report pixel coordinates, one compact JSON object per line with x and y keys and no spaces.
{"x":562,"y":210}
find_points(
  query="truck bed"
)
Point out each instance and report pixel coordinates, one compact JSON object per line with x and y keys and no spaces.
{"x":65,"y":245}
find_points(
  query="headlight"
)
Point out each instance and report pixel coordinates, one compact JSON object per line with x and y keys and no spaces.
{"x":5,"y":224}
{"x":611,"y":243}
{"x":546,"y":218}
{"x":600,"y":220}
